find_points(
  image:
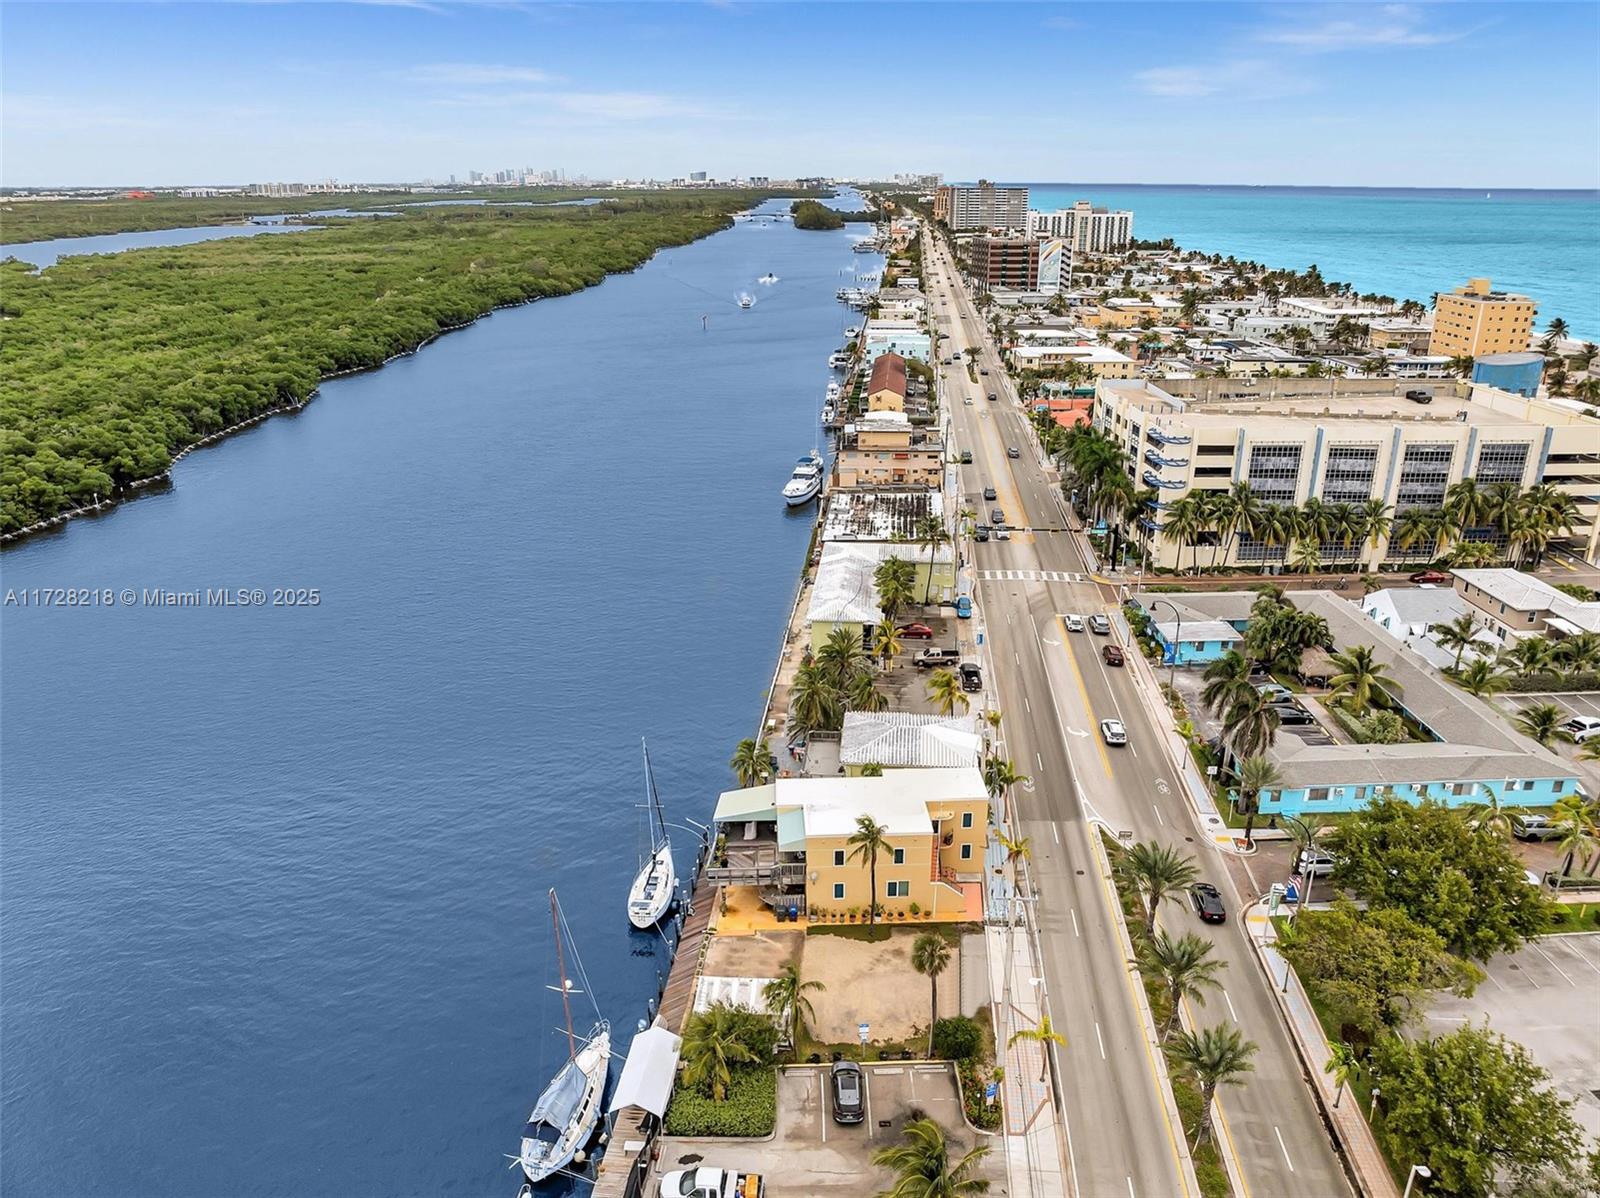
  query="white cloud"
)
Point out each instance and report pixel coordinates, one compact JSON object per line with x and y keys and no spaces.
{"x":1245,"y":78}
{"x":1389,"y":26}
{"x":474,"y":74}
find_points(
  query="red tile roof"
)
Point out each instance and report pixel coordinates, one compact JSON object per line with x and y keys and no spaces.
{"x":888,"y":374}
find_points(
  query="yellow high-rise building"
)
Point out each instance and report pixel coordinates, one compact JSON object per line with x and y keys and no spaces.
{"x":1475,"y":320}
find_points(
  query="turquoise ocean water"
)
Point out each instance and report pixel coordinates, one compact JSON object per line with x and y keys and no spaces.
{"x":1404,"y":242}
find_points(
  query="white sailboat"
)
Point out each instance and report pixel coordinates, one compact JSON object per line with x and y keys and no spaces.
{"x":565,"y":1115}
{"x":657,"y":881}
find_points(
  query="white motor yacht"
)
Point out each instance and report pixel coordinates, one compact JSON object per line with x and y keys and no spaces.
{"x":806,"y":481}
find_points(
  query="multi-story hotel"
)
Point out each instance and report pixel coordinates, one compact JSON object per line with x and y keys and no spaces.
{"x":1084,"y":228}
{"x":1344,"y":441}
{"x":1474,"y":320}
{"x":982,"y":207}
{"x":1018,"y":263}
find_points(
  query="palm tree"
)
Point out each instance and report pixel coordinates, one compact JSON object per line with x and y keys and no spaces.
{"x":895,"y":580}
{"x":1343,"y":1065}
{"x":1579,"y":653}
{"x":1227,"y":681}
{"x":931,"y":533}
{"x":1415,"y":526}
{"x":1244,"y":514}
{"x":1250,"y":726}
{"x":1305,"y":556}
{"x":923,"y":1169}
{"x":1466,"y":504}
{"x":814,"y":703}
{"x":752,"y":763}
{"x":944,"y":692}
{"x":1255,"y":775}
{"x":1480,"y":678}
{"x":1361,"y":680}
{"x":862,"y":694}
{"x":842,"y":656}
{"x":930,"y":955}
{"x":1557,"y":330}
{"x":1216,"y":1056}
{"x":1530,"y":656}
{"x":867,"y":843}
{"x":1542,"y":721}
{"x":1183,"y":524}
{"x":1017,"y":851}
{"x":886,"y":643}
{"x":1457,"y":634}
{"x":711,"y":1047}
{"x":1042,"y":1034}
{"x":1184,"y":966}
{"x":1155,"y":872}
{"x":785,"y":996}
{"x":1347,"y":526}
{"x":999,"y":775}
{"x":1377,"y":518}
{"x":1578,"y":830}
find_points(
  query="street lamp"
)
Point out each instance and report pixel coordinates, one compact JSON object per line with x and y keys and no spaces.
{"x":1177,"y":638}
{"x":1417,"y":1171}
{"x":1310,"y":856}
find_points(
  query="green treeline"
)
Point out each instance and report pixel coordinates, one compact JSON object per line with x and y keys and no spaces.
{"x":812,"y":214}
{"x":112,"y":364}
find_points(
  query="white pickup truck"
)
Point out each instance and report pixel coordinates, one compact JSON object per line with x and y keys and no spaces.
{"x":711,"y":1183}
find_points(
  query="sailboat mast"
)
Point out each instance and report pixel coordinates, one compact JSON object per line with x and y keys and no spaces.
{"x":561,"y":964}
{"x":660,"y":819}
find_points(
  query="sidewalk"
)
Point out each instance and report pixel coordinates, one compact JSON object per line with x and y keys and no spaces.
{"x":1035,"y":1155}
{"x":1349,"y":1125}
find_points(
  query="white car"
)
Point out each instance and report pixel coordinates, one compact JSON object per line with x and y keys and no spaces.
{"x":1582,"y":728}
{"x":1002,"y":533}
{"x":1113,"y":733}
{"x":967,"y":401}
{"x":1074,"y":623}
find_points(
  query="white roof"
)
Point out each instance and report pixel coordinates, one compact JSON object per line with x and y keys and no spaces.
{"x":1199,"y":630}
{"x":899,"y":799}
{"x":742,"y":992}
{"x":647,"y":1075}
{"x":1422,"y":605}
{"x":903,"y":738}
{"x":844,"y":592}
{"x":1084,"y":353}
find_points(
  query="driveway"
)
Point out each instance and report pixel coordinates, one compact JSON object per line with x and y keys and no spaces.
{"x":1543,"y":997}
{"x":809,"y":1153}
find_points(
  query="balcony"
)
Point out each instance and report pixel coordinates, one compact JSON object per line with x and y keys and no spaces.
{"x":1152,"y":479}
{"x":1161,"y":463}
{"x":1165,"y":438}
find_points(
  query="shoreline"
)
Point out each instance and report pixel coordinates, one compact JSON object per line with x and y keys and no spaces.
{"x":134,"y":490}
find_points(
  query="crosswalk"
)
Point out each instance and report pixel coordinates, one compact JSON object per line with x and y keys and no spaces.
{"x":1030,"y":576}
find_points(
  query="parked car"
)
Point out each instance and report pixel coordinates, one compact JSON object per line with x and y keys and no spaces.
{"x":916,"y":632}
{"x":931,"y":658}
{"x":963,"y":607}
{"x":846,"y":1082}
{"x":1535,"y":827}
{"x":980,"y":532}
{"x":971,"y":677}
{"x":997,"y":515}
{"x":1099,"y":625}
{"x":1274,"y":690}
{"x":1113,"y":732}
{"x":1582,"y":728}
{"x":1013,"y":452}
{"x":1112,"y":655}
{"x":1433,"y":576}
{"x":989,"y":493}
{"x":1315,"y":863}
{"x":1420,"y":396}
{"x":1292,"y":714}
{"x":1074,"y":623}
{"x":708,"y":1182}
{"x":1207,"y":900}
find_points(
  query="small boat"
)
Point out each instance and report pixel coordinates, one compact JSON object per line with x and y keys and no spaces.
{"x":768,"y":279}
{"x":656,"y":883}
{"x":833,"y":390}
{"x":566,"y":1113}
{"x":839,"y":360}
{"x":805,"y":482}
{"x":747,"y":301}
{"x":852,"y":332}
{"x":827,"y":413}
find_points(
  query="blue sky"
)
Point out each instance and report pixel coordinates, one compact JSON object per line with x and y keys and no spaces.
{"x":1349,"y":93}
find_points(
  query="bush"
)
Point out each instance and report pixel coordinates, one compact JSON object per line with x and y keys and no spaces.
{"x":974,"y":1079}
{"x":1382,"y":728}
{"x":957,"y":1039}
{"x":751,"y":1108}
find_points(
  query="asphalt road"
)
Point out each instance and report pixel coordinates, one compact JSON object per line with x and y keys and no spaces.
{"x":1054,"y":689}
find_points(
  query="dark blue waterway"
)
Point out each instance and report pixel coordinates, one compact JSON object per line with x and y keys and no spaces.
{"x":48,"y":253}
{"x":274,"y":880}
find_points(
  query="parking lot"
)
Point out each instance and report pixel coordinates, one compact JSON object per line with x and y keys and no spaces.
{"x":1571,"y":702}
{"x":1543,"y":997}
{"x":811,"y":1154}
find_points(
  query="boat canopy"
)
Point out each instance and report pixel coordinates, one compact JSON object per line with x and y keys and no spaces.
{"x":646,"y":1080}
{"x":559,"y":1102}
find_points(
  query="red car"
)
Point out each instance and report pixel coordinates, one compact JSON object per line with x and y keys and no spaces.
{"x":917,"y":632}
{"x":1435,"y":576}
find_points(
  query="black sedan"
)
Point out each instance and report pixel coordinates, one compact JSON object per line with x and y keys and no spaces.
{"x":1207,"y":900}
{"x":849,"y":1104}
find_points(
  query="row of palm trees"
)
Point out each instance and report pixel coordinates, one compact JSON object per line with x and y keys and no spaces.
{"x":1185,"y":969}
{"x":1532,"y":657}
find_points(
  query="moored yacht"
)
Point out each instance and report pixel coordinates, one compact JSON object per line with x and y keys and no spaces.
{"x":805,"y":482}
{"x":656,"y":884}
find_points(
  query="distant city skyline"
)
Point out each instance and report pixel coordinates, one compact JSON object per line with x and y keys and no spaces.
{"x":1354,"y":94}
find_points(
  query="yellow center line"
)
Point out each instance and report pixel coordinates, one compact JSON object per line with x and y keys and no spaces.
{"x":1128,"y":971}
{"x":1094,"y":729}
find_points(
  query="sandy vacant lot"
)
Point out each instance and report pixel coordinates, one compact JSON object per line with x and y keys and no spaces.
{"x":875,"y":984}
{"x":761,"y":955}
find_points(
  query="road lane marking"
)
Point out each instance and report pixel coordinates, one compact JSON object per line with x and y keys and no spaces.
{"x":1054,"y":833}
{"x":1131,"y":1192}
{"x":1039,"y":762}
{"x":1083,"y":690}
{"x":1157,"y":810}
{"x":1101,"y":1040}
{"x":1026,"y":704}
{"x":1284,"y":1147}
{"x":822,"y":1106}
{"x":1581,"y":957}
{"x":1075,"y":932}
{"x":1231,"y":1011}
{"x":1553,"y":964}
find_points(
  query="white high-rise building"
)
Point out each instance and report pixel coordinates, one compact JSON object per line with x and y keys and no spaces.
{"x":1085,"y":228}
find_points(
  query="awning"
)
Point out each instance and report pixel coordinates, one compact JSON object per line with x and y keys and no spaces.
{"x":753,"y":802}
{"x":647,"y":1075}
{"x":792,"y":830}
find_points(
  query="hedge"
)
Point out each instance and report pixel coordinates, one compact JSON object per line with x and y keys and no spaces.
{"x":957,"y":1039}
{"x":974,"y":1078}
{"x":751,"y":1108}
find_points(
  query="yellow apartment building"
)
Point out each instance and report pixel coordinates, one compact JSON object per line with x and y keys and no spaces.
{"x":1476,"y":319}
